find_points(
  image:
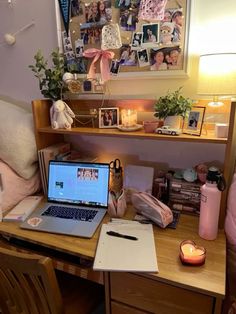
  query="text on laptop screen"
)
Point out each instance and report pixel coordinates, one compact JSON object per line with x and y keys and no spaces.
{"x":78,"y":183}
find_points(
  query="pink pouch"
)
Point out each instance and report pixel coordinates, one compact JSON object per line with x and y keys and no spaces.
{"x":117,"y":205}
{"x":150,"y":207}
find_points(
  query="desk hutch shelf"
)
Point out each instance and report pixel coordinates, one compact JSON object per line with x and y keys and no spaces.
{"x":46,"y":136}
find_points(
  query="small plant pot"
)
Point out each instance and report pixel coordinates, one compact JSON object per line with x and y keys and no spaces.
{"x":174,"y":121}
{"x":151,"y":126}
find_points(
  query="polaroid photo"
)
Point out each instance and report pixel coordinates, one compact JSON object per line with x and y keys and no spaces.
{"x":115,"y":67}
{"x":137,"y":40}
{"x":151,"y":34}
{"x":79,"y":48}
{"x":143,"y":57}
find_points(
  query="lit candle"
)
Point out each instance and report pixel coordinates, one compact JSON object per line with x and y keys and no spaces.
{"x":128,"y":117}
{"x":192,"y":254}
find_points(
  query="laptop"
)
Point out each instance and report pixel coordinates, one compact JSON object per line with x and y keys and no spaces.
{"x":77,"y":199}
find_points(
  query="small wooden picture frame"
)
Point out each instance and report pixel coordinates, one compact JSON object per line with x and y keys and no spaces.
{"x":193,"y":121}
{"x":108,"y":117}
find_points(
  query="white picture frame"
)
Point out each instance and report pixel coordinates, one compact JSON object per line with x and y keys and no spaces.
{"x":108,"y":117}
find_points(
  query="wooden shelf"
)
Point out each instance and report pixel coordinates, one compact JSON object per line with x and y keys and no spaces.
{"x":137,"y":134}
{"x":46,"y":136}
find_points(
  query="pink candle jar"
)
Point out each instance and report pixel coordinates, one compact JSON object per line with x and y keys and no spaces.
{"x":192,"y":254}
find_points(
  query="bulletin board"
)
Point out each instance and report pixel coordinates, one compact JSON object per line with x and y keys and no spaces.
{"x":149,"y":47}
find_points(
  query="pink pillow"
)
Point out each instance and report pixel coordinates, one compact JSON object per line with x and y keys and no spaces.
{"x":15,"y":188}
{"x":230,"y":220}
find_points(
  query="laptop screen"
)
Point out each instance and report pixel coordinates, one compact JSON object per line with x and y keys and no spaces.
{"x":79,"y":183}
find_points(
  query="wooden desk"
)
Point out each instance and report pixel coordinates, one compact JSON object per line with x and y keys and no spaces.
{"x":175,"y":289}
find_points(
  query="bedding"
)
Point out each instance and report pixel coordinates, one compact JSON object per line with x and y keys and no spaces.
{"x":15,"y":188}
{"x":230,"y":230}
{"x":230,"y":220}
{"x":17,"y":139}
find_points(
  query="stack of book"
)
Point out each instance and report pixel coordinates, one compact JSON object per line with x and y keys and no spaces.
{"x":185,"y":196}
{"x":59,"y":151}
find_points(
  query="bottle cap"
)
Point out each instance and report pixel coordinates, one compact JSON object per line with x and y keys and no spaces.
{"x":213,"y":174}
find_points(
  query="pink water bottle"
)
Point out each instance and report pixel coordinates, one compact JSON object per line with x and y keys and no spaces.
{"x":210,"y":204}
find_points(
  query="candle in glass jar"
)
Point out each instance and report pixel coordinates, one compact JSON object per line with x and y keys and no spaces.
{"x":192,"y":254}
{"x":128,"y":117}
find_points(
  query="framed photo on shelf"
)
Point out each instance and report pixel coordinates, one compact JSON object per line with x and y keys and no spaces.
{"x":108,"y":117}
{"x":193,"y":121}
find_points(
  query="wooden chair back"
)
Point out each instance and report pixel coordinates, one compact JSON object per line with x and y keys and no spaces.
{"x":28,"y":284}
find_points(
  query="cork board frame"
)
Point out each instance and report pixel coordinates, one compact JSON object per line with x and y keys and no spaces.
{"x":140,"y":70}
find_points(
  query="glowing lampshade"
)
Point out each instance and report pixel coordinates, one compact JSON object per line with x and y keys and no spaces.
{"x":217,"y":76}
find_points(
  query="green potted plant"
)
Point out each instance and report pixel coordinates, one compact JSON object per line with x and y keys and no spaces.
{"x":51,"y":86}
{"x":50,"y":79}
{"x":173,"y":105}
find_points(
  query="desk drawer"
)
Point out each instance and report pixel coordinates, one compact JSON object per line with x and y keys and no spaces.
{"x":157,"y":297}
{"x":117,"y":308}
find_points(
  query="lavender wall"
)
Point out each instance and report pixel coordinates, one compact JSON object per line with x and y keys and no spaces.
{"x":212,"y":25}
{"x":16,"y":79}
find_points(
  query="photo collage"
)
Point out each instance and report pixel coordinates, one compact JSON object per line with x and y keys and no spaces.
{"x":150,"y":45}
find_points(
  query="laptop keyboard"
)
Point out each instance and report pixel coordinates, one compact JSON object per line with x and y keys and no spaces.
{"x":70,"y":213}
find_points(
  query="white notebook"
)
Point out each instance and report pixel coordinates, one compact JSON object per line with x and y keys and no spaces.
{"x":120,"y":254}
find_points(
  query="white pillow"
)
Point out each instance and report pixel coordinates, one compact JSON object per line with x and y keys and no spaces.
{"x":17,"y":140}
{"x":15,"y":188}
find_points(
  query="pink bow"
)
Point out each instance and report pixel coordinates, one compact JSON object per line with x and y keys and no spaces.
{"x":104,"y":64}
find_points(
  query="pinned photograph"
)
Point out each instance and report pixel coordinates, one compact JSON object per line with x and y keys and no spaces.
{"x":166,"y":33}
{"x":97,"y":13}
{"x":79,"y":48}
{"x":67,"y":46}
{"x":137,"y":40}
{"x":143,"y":58}
{"x":91,"y":36}
{"x":128,"y":56}
{"x":157,"y":61}
{"x":127,"y":4}
{"x":173,"y":58}
{"x":115,"y":67}
{"x":76,"y":8}
{"x":171,"y":26}
{"x":177,"y":20}
{"x":128,"y":19}
{"x":151,"y":34}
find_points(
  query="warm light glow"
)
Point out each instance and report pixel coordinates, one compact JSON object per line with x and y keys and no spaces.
{"x":217,"y":76}
{"x":128,"y":117}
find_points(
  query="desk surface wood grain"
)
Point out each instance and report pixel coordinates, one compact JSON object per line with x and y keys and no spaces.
{"x":208,"y":279}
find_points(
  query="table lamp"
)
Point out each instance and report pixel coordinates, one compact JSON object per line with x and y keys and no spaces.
{"x":217,"y":76}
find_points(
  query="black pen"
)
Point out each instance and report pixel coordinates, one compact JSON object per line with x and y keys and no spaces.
{"x":120,"y":235}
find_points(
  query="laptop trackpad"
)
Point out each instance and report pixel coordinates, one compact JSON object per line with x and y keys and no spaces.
{"x":58,"y":225}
